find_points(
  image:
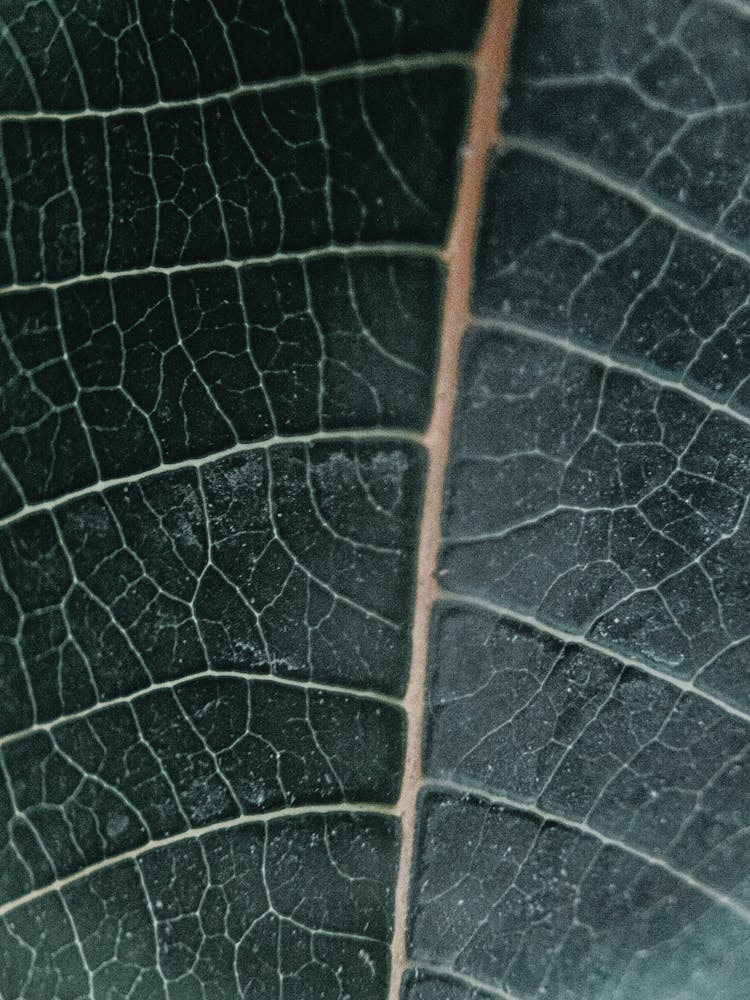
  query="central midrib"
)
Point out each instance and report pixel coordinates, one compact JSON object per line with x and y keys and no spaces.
{"x":490,"y":67}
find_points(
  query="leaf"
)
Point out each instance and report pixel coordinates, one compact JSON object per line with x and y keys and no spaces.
{"x":226,"y":303}
{"x":219,"y":327}
{"x":583,"y":832}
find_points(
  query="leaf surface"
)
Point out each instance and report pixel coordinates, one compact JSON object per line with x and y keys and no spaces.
{"x":222,"y":226}
{"x":225,"y":287}
{"x":583,"y":832}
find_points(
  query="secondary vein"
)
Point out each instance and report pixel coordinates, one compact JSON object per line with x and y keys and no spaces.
{"x":380,"y":67}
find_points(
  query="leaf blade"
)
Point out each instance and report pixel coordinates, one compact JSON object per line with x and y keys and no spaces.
{"x":574,"y":507}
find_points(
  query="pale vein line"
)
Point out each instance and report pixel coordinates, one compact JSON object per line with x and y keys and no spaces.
{"x":633,"y":194}
{"x":607,"y":362}
{"x":381,"y":67}
{"x":572,"y":638}
{"x":289,"y":812}
{"x":281,"y":256}
{"x":445,"y":971}
{"x":318,"y":437}
{"x":208,"y":674}
{"x":457,"y":788}
{"x":735,"y":6}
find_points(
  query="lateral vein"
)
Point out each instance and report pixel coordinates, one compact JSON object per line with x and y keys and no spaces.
{"x":573,"y":638}
{"x":445,"y":971}
{"x":290,"y":812}
{"x":394,"y":64}
{"x":207,"y":674}
{"x":373,"y":434}
{"x":635,"y":195}
{"x":606,"y":361}
{"x":261,"y":260}
{"x":458,"y":788}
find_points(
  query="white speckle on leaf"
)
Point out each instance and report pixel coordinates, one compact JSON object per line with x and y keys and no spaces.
{"x":365,"y":957}
{"x":117,"y":824}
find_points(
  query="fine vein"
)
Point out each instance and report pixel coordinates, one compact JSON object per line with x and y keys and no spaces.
{"x":289,"y":812}
{"x":379,"y":67}
{"x":317,"y":437}
{"x":633,"y":194}
{"x":207,"y":674}
{"x":573,"y":638}
{"x":607,"y":362}
{"x":456,"y":788}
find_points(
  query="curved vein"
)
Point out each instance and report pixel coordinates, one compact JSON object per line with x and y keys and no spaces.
{"x":445,"y":972}
{"x":373,"y":434}
{"x":634,"y":195}
{"x":572,"y":638}
{"x":726,"y":902}
{"x":289,"y":812}
{"x":380,"y":67}
{"x":607,"y":362}
{"x":208,"y":674}
{"x":353,"y":249}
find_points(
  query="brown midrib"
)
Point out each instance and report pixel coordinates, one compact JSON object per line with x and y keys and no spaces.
{"x":490,"y":67}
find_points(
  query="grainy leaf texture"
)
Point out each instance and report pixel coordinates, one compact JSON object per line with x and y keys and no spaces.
{"x":221,"y":225}
{"x":584,"y":832}
{"x":269,"y":728}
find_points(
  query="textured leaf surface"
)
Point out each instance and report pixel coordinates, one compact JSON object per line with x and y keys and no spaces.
{"x":236,"y":913}
{"x":584,"y":830}
{"x":294,"y":561}
{"x":110,"y":378}
{"x":221,"y":226}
